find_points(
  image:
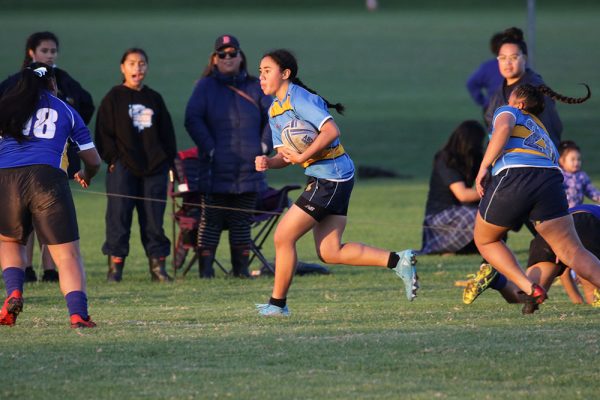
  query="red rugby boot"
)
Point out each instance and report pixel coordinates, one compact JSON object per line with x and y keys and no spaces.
{"x":78,"y":322}
{"x":13,"y":305}
{"x":532,"y":302}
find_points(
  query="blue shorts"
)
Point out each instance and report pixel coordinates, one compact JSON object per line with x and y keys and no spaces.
{"x":518,"y":194}
{"x":323,"y":197}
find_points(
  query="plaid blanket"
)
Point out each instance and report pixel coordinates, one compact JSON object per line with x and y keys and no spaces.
{"x":448,"y":231}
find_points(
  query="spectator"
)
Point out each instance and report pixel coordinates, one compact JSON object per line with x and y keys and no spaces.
{"x":486,"y":79}
{"x":577,"y":183}
{"x":135,"y":137}
{"x":452,"y":200}
{"x":512,"y":61}
{"x":226,"y":116}
{"x":43,"y":47}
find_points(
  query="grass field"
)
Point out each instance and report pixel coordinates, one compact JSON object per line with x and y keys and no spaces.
{"x":352,"y":334}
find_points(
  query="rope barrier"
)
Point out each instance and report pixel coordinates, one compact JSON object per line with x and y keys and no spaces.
{"x":446,"y":228}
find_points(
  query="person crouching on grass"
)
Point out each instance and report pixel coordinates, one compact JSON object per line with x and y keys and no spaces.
{"x":324,"y":204}
{"x":35,"y":126}
{"x":526,"y":182}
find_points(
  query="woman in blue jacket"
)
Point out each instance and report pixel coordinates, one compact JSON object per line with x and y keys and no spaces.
{"x":226,"y":117}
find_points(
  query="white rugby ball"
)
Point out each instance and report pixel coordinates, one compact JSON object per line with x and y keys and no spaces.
{"x":298,"y":135}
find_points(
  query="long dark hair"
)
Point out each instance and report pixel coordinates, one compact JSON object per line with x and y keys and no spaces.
{"x":534,"y":97}
{"x":286,"y":60}
{"x":464,"y":149}
{"x":19,"y":103}
{"x":34,"y":41}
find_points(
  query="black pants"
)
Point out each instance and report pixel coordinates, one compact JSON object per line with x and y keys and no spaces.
{"x":119,"y":212}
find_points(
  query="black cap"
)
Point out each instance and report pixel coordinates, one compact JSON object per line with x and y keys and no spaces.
{"x":226,"y":41}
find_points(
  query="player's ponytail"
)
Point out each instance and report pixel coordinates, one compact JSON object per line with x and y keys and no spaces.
{"x":534,"y":97}
{"x":564,"y":99}
{"x":286,"y":60}
{"x":18,"y":104}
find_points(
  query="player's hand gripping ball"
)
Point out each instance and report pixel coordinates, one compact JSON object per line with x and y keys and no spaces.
{"x":297,"y":135}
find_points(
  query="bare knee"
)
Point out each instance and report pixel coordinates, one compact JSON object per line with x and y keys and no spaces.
{"x":282,"y":239}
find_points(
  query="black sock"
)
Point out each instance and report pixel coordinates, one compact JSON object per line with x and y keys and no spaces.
{"x":393,"y":260}
{"x":277,"y":302}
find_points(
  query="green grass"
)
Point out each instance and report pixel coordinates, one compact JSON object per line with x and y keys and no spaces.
{"x":352,"y":334}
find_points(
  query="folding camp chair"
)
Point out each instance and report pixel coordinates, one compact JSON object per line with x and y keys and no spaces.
{"x":187,"y":191}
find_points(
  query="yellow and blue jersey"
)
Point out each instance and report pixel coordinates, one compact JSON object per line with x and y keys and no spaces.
{"x":332,"y":163}
{"x":529,"y":144}
{"x":47,"y":132}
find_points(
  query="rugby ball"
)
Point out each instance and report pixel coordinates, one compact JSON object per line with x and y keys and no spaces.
{"x":297,"y":135}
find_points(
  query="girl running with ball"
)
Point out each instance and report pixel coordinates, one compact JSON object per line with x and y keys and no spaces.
{"x":323,"y":205}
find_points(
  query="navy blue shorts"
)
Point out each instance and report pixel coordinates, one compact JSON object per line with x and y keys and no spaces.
{"x":37,"y":196}
{"x":323,"y":197}
{"x":518,"y":194}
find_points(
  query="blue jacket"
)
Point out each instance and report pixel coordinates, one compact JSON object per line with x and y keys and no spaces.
{"x":230,"y":130}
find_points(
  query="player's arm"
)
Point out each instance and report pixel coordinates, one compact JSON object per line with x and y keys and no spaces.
{"x":463,"y":193}
{"x":328,"y":133}
{"x":263,"y":163}
{"x":570,"y":287}
{"x":503,"y":126}
{"x":91,"y":165}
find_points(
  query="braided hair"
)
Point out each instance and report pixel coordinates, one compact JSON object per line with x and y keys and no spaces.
{"x":286,"y":60}
{"x":534,"y":97}
{"x":18,"y":104}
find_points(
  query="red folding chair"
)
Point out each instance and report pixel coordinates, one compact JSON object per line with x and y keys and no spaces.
{"x":187,"y":188}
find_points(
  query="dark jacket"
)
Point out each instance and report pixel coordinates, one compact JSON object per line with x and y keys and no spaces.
{"x":135,"y":127}
{"x":230,"y":130}
{"x":549,"y":117}
{"x":69,"y":90}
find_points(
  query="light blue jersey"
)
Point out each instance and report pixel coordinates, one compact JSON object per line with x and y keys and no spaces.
{"x":529,"y":144}
{"x":47,"y":133}
{"x":301,"y":104}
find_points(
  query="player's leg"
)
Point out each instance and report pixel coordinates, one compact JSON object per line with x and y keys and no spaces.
{"x":330,"y":249}
{"x":488,"y":238}
{"x":67,"y":257}
{"x":294,"y":224}
{"x":563,"y":239}
{"x":12,"y":259}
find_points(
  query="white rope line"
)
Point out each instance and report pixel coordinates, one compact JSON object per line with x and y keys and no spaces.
{"x":446,"y":228}
{"x":125,"y":196}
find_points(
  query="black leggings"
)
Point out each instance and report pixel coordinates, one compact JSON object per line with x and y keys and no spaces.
{"x":214,"y":220}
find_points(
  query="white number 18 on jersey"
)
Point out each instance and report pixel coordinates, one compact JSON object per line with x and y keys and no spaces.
{"x":45,"y":124}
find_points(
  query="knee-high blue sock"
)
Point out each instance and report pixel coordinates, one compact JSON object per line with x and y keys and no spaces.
{"x":77,"y":303}
{"x":14,"y":278}
{"x":498,"y":282}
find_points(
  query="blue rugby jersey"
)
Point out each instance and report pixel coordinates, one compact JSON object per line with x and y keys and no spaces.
{"x":301,"y":104}
{"x":47,"y":133}
{"x":529,"y":145}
